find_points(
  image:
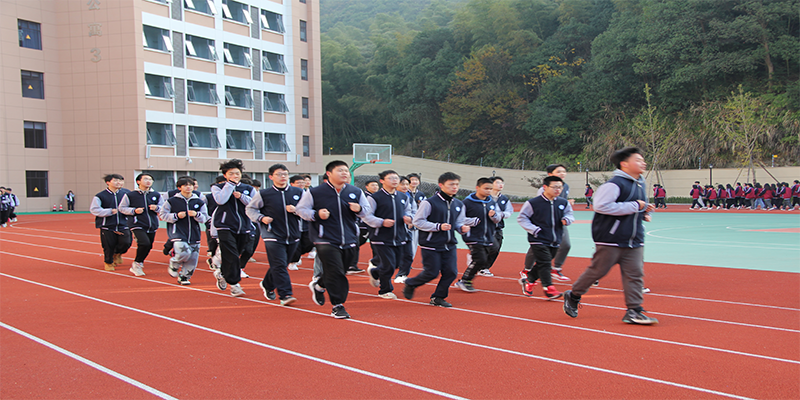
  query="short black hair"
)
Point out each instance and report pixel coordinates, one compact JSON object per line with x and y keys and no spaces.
{"x":246,"y":180}
{"x":276,"y":167}
{"x":142,"y":175}
{"x":623,"y":155}
{"x":414,"y":175}
{"x":386,"y":173}
{"x":552,"y":167}
{"x":257,"y":183}
{"x":498,"y":178}
{"x":9,"y":189}
{"x":296,"y":178}
{"x":333,"y":164}
{"x":231,"y":164}
{"x":550,"y":179}
{"x":183,"y":181}
{"x":404,"y":178}
{"x":110,"y":177}
{"x":483,"y":181}
{"x":220,"y":179}
{"x":449,"y":176}
{"x":371,"y":181}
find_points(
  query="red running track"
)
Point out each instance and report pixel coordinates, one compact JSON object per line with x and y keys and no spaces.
{"x":93,"y":334}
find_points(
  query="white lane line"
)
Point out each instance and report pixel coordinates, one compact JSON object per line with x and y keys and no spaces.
{"x":90,"y":363}
{"x":399,"y":382}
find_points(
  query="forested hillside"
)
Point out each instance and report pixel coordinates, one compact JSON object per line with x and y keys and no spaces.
{"x":516,"y":83}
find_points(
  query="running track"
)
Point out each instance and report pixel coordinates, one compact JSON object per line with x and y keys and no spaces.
{"x":68,"y":329}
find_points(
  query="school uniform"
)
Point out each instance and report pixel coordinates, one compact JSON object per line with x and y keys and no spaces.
{"x":739,"y":195}
{"x":749,"y":196}
{"x":388,"y":242}
{"x":588,"y":193}
{"x":233,"y":228}
{"x":563,"y":249}
{"x":211,"y":237}
{"x":695,"y":193}
{"x":115,"y":235}
{"x":438,"y":246}
{"x":795,"y":195}
{"x":543,"y":219}
{"x":505,"y":209}
{"x":480,"y":238}
{"x":712,"y":197}
{"x":410,"y":248}
{"x":786,"y":196}
{"x":13,"y":202}
{"x":184,"y":232}
{"x":70,"y":197}
{"x":143,"y":226}
{"x":4,"y":207}
{"x":281,"y":236}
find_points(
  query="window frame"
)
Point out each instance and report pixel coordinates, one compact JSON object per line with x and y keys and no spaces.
{"x":210,"y":44}
{"x":306,"y":146}
{"x":266,"y":65}
{"x":282,"y":144}
{"x":305,"y":107}
{"x":265,"y":25}
{"x":35,"y":30}
{"x":166,"y":39}
{"x":240,"y":95}
{"x":190,"y":6}
{"x":248,"y":142}
{"x":303,"y":31}
{"x":31,"y":179}
{"x":281,"y":106}
{"x":168,"y":134}
{"x":31,"y":75}
{"x":303,"y":69}
{"x":166,"y":83}
{"x":227,"y":13}
{"x":191,"y":93}
{"x":213,"y":139}
{"x":35,"y":136}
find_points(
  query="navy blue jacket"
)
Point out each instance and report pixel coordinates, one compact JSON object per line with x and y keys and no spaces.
{"x":272,"y":202}
{"x":102,"y":208}
{"x":385,"y":205}
{"x":433,"y":212}
{"x":341,"y":228}
{"x":618,"y":221}
{"x":211,"y":205}
{"x":230,"y":213}
{"x":542,"y":219}
{"x":505,"y":207}
{"x":148,"y":220}
{"x":186,"y":229}
{"x":482,"y":233}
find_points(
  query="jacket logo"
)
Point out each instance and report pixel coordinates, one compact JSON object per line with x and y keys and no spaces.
{"x":296,"y":197}
{"x":458,"y":209}
{"x":197,"y":206}
{"x":503,"y":202}
{"x":561,"y":207}
{"x":154,"y":198}
{"x":353,"y":196}
{"x":247,"y":192}
{"x":403,"y":201}
{"x":491,"y":207}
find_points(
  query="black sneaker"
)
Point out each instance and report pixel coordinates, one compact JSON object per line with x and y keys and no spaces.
{"x":339,"y":312}
{"x":269,"y":294}
{"x":408,"y":291}
{"x":638,"y":317}
{"x":354,"y":270}
{"x":440,"y":302}
{"x":184,"y":281}
{"x":571,"y":305}
{"x":318,"y":296}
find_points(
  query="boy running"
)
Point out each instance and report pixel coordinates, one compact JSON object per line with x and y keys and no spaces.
{"x":184,"y":212}
{"x":143,"y":206}
{"x":408,"y":249}
{"x":481,"y":215}
{"x":505,"y":209}
{"x":115,"y":235}
{"x":618,"y":232}
{"x":305,"y":245}
{"x":438,"y":219}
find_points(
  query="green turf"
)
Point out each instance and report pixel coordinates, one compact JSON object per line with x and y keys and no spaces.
{"x":696,"y":238}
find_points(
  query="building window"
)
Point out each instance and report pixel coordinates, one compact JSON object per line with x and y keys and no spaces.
{"x":160,"y":134}
{"x":238,"y":97}
{"x":273,"y":62}
{"x":202,"y":92}
{"x":203,"y":137}
{"x":156,"y":38}
{"x":303,"y":33}
{"x":202,"y":6}
{"x":306,"y":146}
{"x":238,"y":55}
{"x":32,"y":84}
{"x":304,"y":69}
{"x":36,"y":184}
{"x":240,"y":140}
{"x":35,"y":135}
{"x":305,"y":107}
{"x":158,"y":86}
{"x":275,"y":102}
{"x":201,"y":48}
{"x":30,"y":34}
{"x":236,"y":11}
{"x":272,"y":21}
{"x":276,"y":142}
{"x":303,"y":1}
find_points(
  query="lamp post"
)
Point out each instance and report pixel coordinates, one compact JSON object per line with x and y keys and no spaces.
{"x":329,"y":150}
{"x":423,"y":153}
{"x":710,"y":174}
{"x":774,"y":156}
{"x":579,"y":166}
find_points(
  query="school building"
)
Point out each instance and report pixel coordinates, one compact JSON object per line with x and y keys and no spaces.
{"x":170,"y":87}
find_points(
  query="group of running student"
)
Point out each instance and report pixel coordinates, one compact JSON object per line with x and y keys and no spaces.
{"x":776,"y":196}
{"x":8,"y":202}
{"x":394,"y":213}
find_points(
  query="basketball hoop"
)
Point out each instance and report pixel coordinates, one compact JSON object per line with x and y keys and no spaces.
{"x":375,"y":160}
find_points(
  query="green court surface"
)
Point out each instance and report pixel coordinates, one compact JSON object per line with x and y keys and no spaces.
{"x":732,"y":240}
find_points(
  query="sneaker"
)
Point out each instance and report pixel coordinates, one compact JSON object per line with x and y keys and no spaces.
{"x":523,"y":274}
{"x":236,"y":290}
{"x":117,"y":259}
{"x":354,"y":270}
{"x":440,"y":302}
{"x":339,"y":312}
{"x":312,"y":254}
{"x":269,"y":294}
{"x":292,"y":267}
{"x":288,"y":301}
{"x":317,"y":293}
{"x":172,"y":269}
{"x":371,"y":270}
{"x":221,"y":283}
{"x":400,"y":279}
{"x":209,"y":254}
{"x":211,"y":265}
{"x":184,"y":281}
{"x":466,"y":286}
{"x":638,"y":317}
{"x":645,"y":290}
{"x":570,"y":304}
{"x":388,"y":295}
{"x":243,"y":274}
{"x":252,"y":259}
{"x":485,"y":272}
{"x":108,"y":267}
{"x":596,"y":283}
{"x":408,"y":291}
{"x":527,"y":287}
{"x":137,"y":269}
{"x":552,"y":293}
{"x":558,"y":276}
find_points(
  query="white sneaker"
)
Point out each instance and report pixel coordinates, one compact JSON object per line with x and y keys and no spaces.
{"x":252,"y":259}
{"x":292,"y":267}
{"x":236,"y":291}
{"x":388,"y":295}
{"x":221,"y":283}
{"x":137,"y":269}
{"x":243,"y":274}
{"x":14,"y":220}
{"x":400,"y":279}
{"x":312,"y":254}
{"x":372,"y":281}
{"x":485,"y":272}
{"x":172,"y":269}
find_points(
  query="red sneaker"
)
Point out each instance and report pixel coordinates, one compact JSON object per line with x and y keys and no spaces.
{"x":552,"y":293}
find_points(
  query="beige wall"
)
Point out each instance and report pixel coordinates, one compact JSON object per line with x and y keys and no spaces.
{"x":677,"y":182}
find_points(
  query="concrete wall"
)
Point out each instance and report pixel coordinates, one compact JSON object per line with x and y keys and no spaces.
{"x":676,"y":182}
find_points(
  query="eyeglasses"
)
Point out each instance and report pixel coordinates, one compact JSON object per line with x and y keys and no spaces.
{"x":282,"y":174}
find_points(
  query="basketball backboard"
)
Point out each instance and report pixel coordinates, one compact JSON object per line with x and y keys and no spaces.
{"x":364,"y":153}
